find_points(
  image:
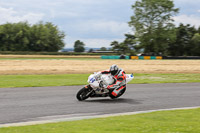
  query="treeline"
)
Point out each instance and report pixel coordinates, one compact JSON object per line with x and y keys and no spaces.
{"x":25,"y":37}
{"x":186,"y":43}
{"x":155,"y":32}
{"x":50,"y":53}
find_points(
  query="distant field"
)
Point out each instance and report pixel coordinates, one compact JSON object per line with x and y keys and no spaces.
{"x":46,"y":64}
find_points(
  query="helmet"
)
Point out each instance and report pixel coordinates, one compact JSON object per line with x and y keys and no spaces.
{"x":114,"y":69}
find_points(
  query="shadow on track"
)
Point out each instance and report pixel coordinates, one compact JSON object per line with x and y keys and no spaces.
{"x":115,"y":101}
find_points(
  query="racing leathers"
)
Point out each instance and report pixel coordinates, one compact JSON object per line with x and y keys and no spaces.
{"x":119,"y":81}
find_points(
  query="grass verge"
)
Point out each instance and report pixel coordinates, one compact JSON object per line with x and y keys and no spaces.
{"x":81,"y":79}
{"x":176,"y":121}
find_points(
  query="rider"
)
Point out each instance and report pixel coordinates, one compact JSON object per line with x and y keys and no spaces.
{"x":119,"y":79}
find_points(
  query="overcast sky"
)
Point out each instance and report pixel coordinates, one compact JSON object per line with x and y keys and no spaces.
{"x":95,"y":22}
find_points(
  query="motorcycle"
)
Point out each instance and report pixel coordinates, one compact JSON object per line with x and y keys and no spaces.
{"x":97,"y":87}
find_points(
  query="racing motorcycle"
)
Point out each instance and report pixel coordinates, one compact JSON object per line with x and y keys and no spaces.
{"x":97,"y":87}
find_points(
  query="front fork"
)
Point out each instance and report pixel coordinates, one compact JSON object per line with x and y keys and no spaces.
{"x":90,"y":90}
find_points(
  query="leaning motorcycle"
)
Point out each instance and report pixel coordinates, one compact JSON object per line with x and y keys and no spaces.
{"x":96,"y":87}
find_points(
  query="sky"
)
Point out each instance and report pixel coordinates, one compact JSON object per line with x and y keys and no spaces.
{"x":95,"y":22}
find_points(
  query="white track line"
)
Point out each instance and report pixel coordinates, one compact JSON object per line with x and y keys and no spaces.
{"x":73,"y":117}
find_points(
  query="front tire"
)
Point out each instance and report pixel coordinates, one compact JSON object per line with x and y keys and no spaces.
{"x":83,"y":94}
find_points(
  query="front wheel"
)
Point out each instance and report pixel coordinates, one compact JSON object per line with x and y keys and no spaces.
{"x":83,"y":94}
{"x":120,"y":93}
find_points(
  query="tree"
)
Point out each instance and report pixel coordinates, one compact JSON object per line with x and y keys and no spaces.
{"x":24,"y":37}
{"x":127,"y":46}
{"x":199,"y":30}
{"x":46,"y":37}
{"x":152,"y":24}
{"x":103,"y":49}
{"x":90,"y":50}
{"x":116,"y":46}
{"x":79,"y":46}
{"x":183,"y":43}
{"x":196,"y":42}
{"x":14,"y":37}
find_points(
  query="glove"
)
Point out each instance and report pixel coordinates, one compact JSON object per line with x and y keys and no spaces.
{"x":104,"y":86}
{"x":108,"y":87}
{"x":101,"y":85}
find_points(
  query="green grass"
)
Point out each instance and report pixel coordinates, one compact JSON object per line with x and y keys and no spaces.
{"x":165,"y":78}
{"x":42,"y":80}
{"x":177,"y":121}
{"x":81,"y":79}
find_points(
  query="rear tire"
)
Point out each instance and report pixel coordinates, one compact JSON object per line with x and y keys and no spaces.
{"x":120,"y":93}
{"x":82,"y":94}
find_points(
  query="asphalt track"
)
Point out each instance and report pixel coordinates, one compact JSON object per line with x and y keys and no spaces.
{"x":43,"y":103}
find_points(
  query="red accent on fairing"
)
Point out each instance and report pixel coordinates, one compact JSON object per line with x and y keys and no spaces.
{"x":114,"y":94}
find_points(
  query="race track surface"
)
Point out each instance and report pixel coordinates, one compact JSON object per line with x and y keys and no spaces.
{"x":39,"y":103}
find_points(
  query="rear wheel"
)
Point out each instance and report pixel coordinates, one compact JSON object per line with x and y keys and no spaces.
{"x":83,"y":94}
{"x":120,"y":93}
